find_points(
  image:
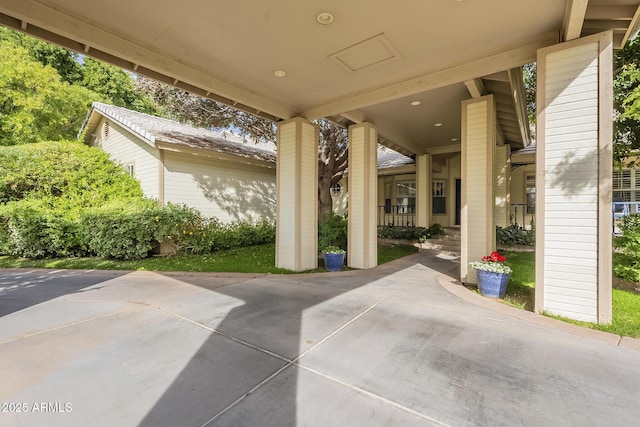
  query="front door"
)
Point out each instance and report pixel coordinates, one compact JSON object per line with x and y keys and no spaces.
{"x":458,"y":199}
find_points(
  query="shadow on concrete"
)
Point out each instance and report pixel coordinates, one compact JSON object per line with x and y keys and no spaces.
{"x":20,"y":288}
{"x":269,"y":324}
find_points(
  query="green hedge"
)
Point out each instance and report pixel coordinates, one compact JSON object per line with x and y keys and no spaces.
{"x":61,"y":199}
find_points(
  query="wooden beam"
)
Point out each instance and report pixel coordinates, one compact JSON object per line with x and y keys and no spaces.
{"x":622,"y":13}
{"x":634,"y":27}
{"x":476,"y":87}
{"x":73,"y":33}
{"x":404,"y":144}
{"x":574,"y":19}
{"x":518,"y":90}
{"x":468,"y":70}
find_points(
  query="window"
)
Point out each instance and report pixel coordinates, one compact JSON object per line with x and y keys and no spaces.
{"x":623,"y":190}
{"x":530,"y":193}
{"x":336,"y":189}
{"x":438,"y":197}
{"x":387,"y":197}
{"x":406,"y":196}
{"x":130,"y":169}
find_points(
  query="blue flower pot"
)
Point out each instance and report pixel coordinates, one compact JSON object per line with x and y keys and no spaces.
{"x":333,"y":262}
{"x":492,"y":285}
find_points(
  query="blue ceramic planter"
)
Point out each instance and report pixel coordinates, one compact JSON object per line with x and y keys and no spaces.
{"x":333,"y":262}
{"x":492,"y":285}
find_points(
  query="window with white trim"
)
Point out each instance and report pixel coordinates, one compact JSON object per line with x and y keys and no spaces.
{"x":438,"y":196}
{"x":406,"y":196}
{"x":131,"y":169}
{"x":626,"y":185}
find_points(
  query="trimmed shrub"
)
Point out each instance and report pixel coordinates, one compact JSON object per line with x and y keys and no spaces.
{"x":32,"y":229}
{"x":121,"y":230}
{"x":515,"y":235}
{"x":409,"y":233}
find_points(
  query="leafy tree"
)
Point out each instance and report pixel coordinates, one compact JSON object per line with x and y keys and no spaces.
{"x":626,"y":98}
{"x":183,"y":106}
{"x":64,"y":61}
{"x":116,"y":85}
{"x":35,"y":104}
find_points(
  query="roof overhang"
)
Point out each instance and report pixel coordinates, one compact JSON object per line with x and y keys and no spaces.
{"x":370,"y":64}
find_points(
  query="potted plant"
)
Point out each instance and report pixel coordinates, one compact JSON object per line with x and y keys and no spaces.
{"x":493,"y":275}
{"x":333,"y":258}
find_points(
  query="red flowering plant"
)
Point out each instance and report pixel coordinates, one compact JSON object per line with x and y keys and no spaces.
{"x":493,"y":263}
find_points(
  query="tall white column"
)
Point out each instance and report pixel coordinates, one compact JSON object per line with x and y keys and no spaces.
{"x":363,"y":184}
{"x":297,"y":195}
{"x":573,"y":179}
{"x":478,"y":234}
{"x":502,"y":173}
{"x":423,"y":190}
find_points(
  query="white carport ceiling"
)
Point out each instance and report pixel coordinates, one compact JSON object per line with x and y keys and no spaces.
{"x":230,"y":50}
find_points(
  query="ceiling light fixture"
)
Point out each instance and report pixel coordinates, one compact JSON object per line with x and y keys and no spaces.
{"x":454,"y":139}
{"x":437,"y":124}
{"x":414,"y":103}
{"x":279,"y":73}
{"x":324,"y":18}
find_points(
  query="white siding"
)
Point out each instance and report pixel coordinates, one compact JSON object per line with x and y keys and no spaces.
{"x":478,"y":233}
{"x":126,"y":148}
{"x":571,"y":179}
{"x":362,"y":252}
{"x":226,"y":190}
{"x":297,"y":196}
{"x":501,"y":185}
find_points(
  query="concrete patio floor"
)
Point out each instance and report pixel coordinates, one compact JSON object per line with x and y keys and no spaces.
{"x":398,"y":345}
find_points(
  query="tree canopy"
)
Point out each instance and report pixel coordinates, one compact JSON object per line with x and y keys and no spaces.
{"x":35,"y":104}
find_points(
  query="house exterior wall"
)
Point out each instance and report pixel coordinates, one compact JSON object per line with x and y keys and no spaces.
{"x":223,"y":189}
{"x":574,"y":160}
{"x":520,"y":214}
{"x":127,"y":149}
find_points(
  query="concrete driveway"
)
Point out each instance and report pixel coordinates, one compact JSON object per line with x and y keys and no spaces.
{"x":399,"y":345}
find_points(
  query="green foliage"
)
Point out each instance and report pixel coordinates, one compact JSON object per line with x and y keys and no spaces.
{"x":116,"y":85}
{"x":121,"y":230}
{"x":85,"y":176}
{"x":35,"y":104}
{"x":332,"y":231}
{"x":33,"y":229}
{"x":626,"y":99}
{"x":627,"y":265}
{"x":409,"y":233}
{"x":515,"y":235}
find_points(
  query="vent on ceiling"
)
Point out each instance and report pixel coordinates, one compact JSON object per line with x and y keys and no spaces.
{"x":368,"y":53}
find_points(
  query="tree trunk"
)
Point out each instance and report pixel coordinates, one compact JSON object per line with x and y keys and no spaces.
{"x":325,"y":201}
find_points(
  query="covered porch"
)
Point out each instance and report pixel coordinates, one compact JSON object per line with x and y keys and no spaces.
{"x":404,"y":76}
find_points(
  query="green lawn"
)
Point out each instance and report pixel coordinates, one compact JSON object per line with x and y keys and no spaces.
{"x":521,"y":289}
{"x":253,"y":259}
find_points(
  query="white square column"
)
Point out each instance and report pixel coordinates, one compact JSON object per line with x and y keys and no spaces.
{"x":423,"y":190}
{"x":297,"y":195}
{"x":573,"y":179}
{"x":363,"y":192}
{"x":478,"y":233}
{"x":502,"y":174}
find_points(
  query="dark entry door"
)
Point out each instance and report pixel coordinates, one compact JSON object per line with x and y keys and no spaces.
{"x":458,"y":200}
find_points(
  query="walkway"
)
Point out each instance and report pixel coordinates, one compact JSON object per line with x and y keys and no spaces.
{"x":383,"y":347}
